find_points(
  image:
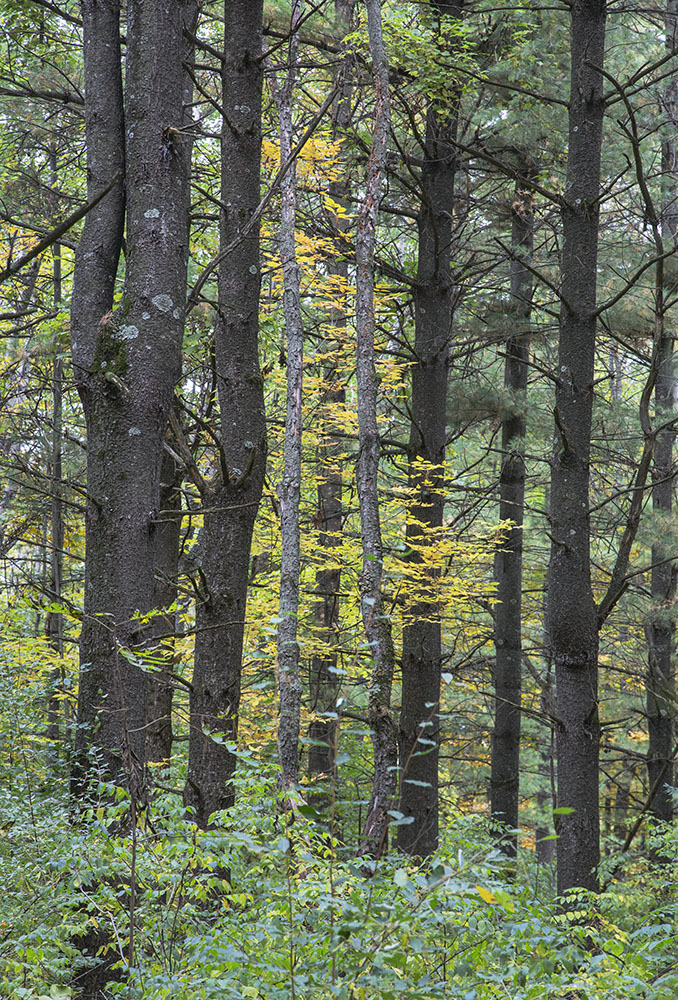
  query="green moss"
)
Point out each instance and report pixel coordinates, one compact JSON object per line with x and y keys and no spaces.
{"x":110,"y":357}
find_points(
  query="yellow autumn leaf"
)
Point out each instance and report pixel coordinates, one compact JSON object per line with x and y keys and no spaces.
{"x":485,"y":894}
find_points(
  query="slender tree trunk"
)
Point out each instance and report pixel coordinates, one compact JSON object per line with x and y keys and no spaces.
{"x":375,"y":618}
{"x":419,"y":735}
{"x":660,"y":629}
{"x":621,"y":804}
{"x":289,"y":682}
{"x":325,"y":681}
{"x":544,"y":831}
{"x":571,"y":618}
{"x":547,"y":799}
{"x":508,"y":560}
{"x":233,"y":497}
{"x":55,"y":620}
{"x":168,"y":537}
{"x":10,"y":532}
{"x":127,"y":362}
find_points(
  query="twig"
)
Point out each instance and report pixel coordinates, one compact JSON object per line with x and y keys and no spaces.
{"x":58,"y":232}
{"x":193,"y":298}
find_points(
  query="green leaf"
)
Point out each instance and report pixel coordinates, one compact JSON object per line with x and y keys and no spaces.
{"x":309,"y":812}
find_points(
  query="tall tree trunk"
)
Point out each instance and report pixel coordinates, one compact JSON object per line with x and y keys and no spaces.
{"x":508,"y":560}
{"x":571,"y":618}
{"x":325,"y":681}
{"x":419,"y":736}
{"x":127,"y":362}
{"x":94,"y":277}
{"x":621,"y":804}
{"x":160,"y":688}
{"x":55,"y":620}
{"x":289,"y":682}
{"x":547,"y":798}
{"x":232,"y":499}
{"x":660,"y":630}
{"x":12,"y":447}
{"x":163,"y":625}
{"x":375,"y":618}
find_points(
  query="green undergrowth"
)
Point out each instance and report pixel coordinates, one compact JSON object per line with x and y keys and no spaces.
{"x":268,"y":905}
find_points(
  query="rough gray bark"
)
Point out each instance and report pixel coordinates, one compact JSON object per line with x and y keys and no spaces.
{"x":168,"y":536}
{"x":547,"y":798}
{"x":168,"y":527}
{"x":324,"y":679}
{"x":127,"y":362}
{"x":94,"y":277}
{"x":232,"y":498}
{"x":375,"y":618}
{"x":289,"y":682}
{"x":571,"y":618}
{"x":546,"y":846}
{"x":508,"y":560}
{"x":419,"y":733}
{"x":54,"y":623}
{"x":660,"y":629}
